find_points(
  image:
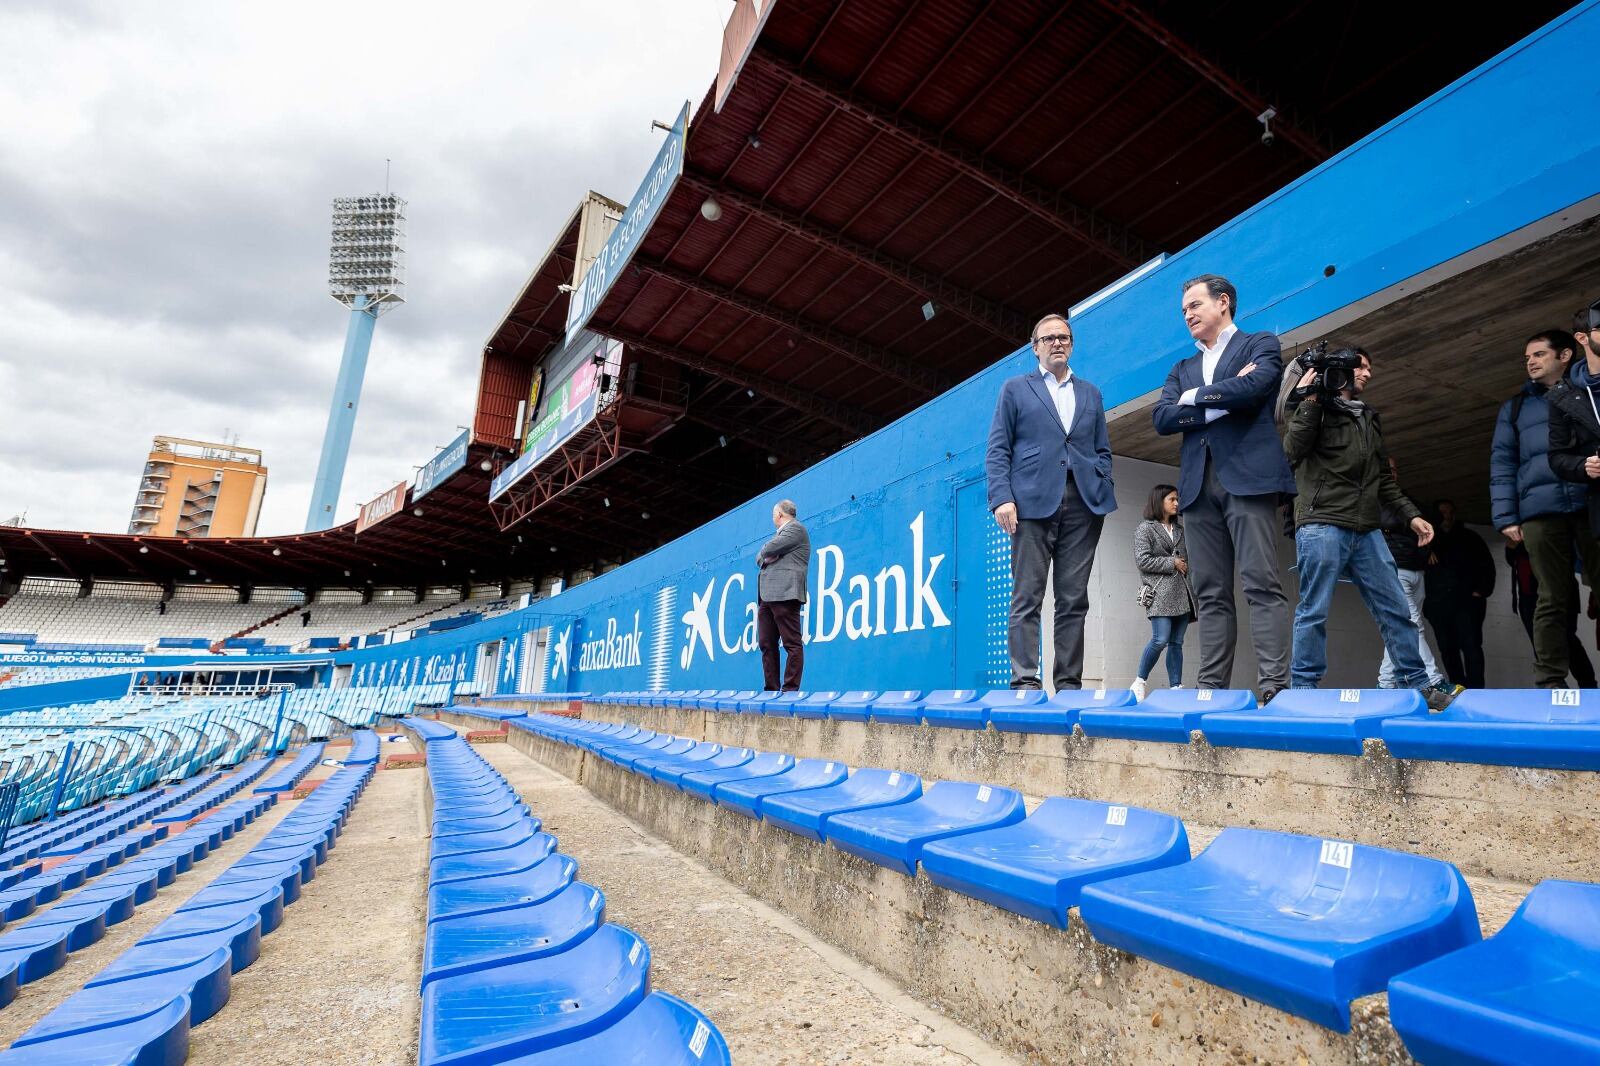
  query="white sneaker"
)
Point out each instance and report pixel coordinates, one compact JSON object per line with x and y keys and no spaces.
{"x":1139,"y":688}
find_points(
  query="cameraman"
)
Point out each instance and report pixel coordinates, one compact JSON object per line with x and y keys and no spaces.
{"x":1342,"y":480}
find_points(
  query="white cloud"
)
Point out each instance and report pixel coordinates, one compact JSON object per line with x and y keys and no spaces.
{"x":165,"y":175}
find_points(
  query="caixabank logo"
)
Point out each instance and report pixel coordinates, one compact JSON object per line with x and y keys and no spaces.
{"x":901,"y":597}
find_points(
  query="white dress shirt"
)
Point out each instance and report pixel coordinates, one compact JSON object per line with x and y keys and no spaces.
{"x":1066,"y":400}
{"x":1210,"y":357}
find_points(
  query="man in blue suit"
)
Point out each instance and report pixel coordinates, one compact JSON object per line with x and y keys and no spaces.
{"x":1049,"y":468}
{"x":1232,"y":474}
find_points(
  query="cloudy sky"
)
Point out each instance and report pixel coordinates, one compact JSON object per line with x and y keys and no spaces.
{"x":166,"y":168}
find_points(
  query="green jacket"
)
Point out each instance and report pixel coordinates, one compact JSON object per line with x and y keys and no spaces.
{"x":1341,"y":470}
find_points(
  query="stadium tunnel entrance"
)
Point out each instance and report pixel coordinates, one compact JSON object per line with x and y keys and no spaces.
{"x":1447,"y":351}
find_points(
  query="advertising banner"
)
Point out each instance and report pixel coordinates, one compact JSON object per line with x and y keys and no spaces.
{"x":569,"y":407}
{"x":738,"y":39}
{"x":377,"y":510}
{"x":441,"y":466}
{"x":625,"y":239}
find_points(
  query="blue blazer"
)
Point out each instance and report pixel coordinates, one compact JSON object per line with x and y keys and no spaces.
{"x":1244,"y":445}
{"x":1030,"y":451}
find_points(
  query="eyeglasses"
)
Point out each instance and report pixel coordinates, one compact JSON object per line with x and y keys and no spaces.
{"x":1054,"y":338}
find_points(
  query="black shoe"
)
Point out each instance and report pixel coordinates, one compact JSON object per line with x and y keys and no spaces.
{"x":1267,"y":694}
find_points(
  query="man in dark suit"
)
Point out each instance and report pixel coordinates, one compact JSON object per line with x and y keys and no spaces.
{"x":1232,"y":473}
{"x":1049,"y":470}
{"x":784,"y":561}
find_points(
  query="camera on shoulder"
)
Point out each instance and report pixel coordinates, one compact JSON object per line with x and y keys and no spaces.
{"x":1336,"y":370}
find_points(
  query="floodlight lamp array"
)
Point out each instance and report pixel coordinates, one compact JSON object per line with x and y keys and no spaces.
{"x":367,"y":256}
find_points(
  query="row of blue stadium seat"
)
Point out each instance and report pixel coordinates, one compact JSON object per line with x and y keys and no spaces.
{"x":40,"y":946}
{"x":79,"y":831}
{"x":1551,"y":729}
{"x":1302,"y":924}
{"x":285,"y":779}
{"x":140,"y":1008}
{"x":509,"y":925}
{"x":89,"y":857}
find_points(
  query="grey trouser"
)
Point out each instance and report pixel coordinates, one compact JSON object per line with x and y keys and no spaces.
{"x":1068,"y":540}
{"x":1225,"y":531}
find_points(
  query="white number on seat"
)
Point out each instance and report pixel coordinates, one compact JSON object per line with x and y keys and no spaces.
{"x":1564,"y":697}
{"x":1338,"y":853}
{"x":1116,"y":816}
{"x":894,"y":778}
{"x":983,"y":793}
{"x":1204,"y":695}
{"x":633,"y":954}
{"x":1099,"y":693}
{"x":1349,"y":695}
{"x":697,"y":1042}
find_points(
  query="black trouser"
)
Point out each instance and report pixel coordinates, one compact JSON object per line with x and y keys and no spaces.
{"x":1059,"y":548}
{"x":780,"y":620}
{"x":1578,"y":663}
{"x":1458,"y":630}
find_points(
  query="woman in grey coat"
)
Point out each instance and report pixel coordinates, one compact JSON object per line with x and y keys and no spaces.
{"x":1158,"y":551}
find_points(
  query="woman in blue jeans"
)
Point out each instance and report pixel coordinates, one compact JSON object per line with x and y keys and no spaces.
{"x":1163,"y":562}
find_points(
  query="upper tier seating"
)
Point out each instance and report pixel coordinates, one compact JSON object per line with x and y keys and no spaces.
{"x":1302,"y":924}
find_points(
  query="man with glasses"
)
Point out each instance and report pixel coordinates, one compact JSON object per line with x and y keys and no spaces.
{"x":1232,"y":475}
{"x":1049,"y":471}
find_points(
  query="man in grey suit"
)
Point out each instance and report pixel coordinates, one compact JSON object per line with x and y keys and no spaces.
{"x":1049,"y":469}
{"x":784,"y":561}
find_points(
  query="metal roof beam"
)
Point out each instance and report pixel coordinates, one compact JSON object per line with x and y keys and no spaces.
{"x":993,"y":317}
{"x":1111,"y":239}
{"x":906,"y":371}
{"x":1310,"y":143}
{"x":844,"y":416}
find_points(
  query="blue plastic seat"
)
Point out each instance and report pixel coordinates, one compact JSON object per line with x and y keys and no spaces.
{"x":1167,"y":714}
{"x":904,"y":707}
{"x":1555,"y":729}
{"x":854,"y":706}
{"x":782,"y":705}
{"x":1301,"y":924}
{"x":706,"y":700}
{"x":448,"y":827}
{"x":470,"y":942}
{"x":730,"y":701}
{"x":754,"y":704}
{"x":496,"y":1014}
{"x":1329,"y":721}
{"x":1530,"y":993}
{"x":522,"y":856}
{"x":1038,"y":866}
{"x":677,"y":746}
{"x":499,"y":891}
{"x":745,"y":796}
{"x":894,"y":836}
{"x":662,"y":1030}
{"x":807,"y":812}
{"x":694,"y":757}
{"x":965,"y":709}
{"x":160,"y":1035}
{"x":485,"y":840}
{"x":812,"y":704}
{"x":726,"y":759}
{"x":1056,"y":715}
{"x":763,"y":764}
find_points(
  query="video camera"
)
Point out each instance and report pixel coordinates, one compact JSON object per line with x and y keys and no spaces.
{"x":1336,"y":370}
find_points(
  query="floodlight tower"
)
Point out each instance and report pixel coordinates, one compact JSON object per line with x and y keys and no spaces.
{"x":366,"y":273}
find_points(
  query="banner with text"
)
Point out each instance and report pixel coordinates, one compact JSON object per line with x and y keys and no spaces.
{"x":570,"y":406}
{"x":441,"y":466}
{"x":626,"y":238}
{"x":377,"y":510}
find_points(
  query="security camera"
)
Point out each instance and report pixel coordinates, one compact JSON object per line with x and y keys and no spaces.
{"x":1265,"y":118}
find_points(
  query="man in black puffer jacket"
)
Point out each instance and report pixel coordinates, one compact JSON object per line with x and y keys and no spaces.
{"x":1575,"y":416}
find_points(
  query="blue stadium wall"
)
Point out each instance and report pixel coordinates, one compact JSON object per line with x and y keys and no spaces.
{"x":909,"y":577}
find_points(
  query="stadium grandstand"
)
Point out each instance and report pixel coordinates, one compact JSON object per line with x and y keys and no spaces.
{"x":495,"y":779}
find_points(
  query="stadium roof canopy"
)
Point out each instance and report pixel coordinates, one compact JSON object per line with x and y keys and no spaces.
{"x":904,"y":187}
